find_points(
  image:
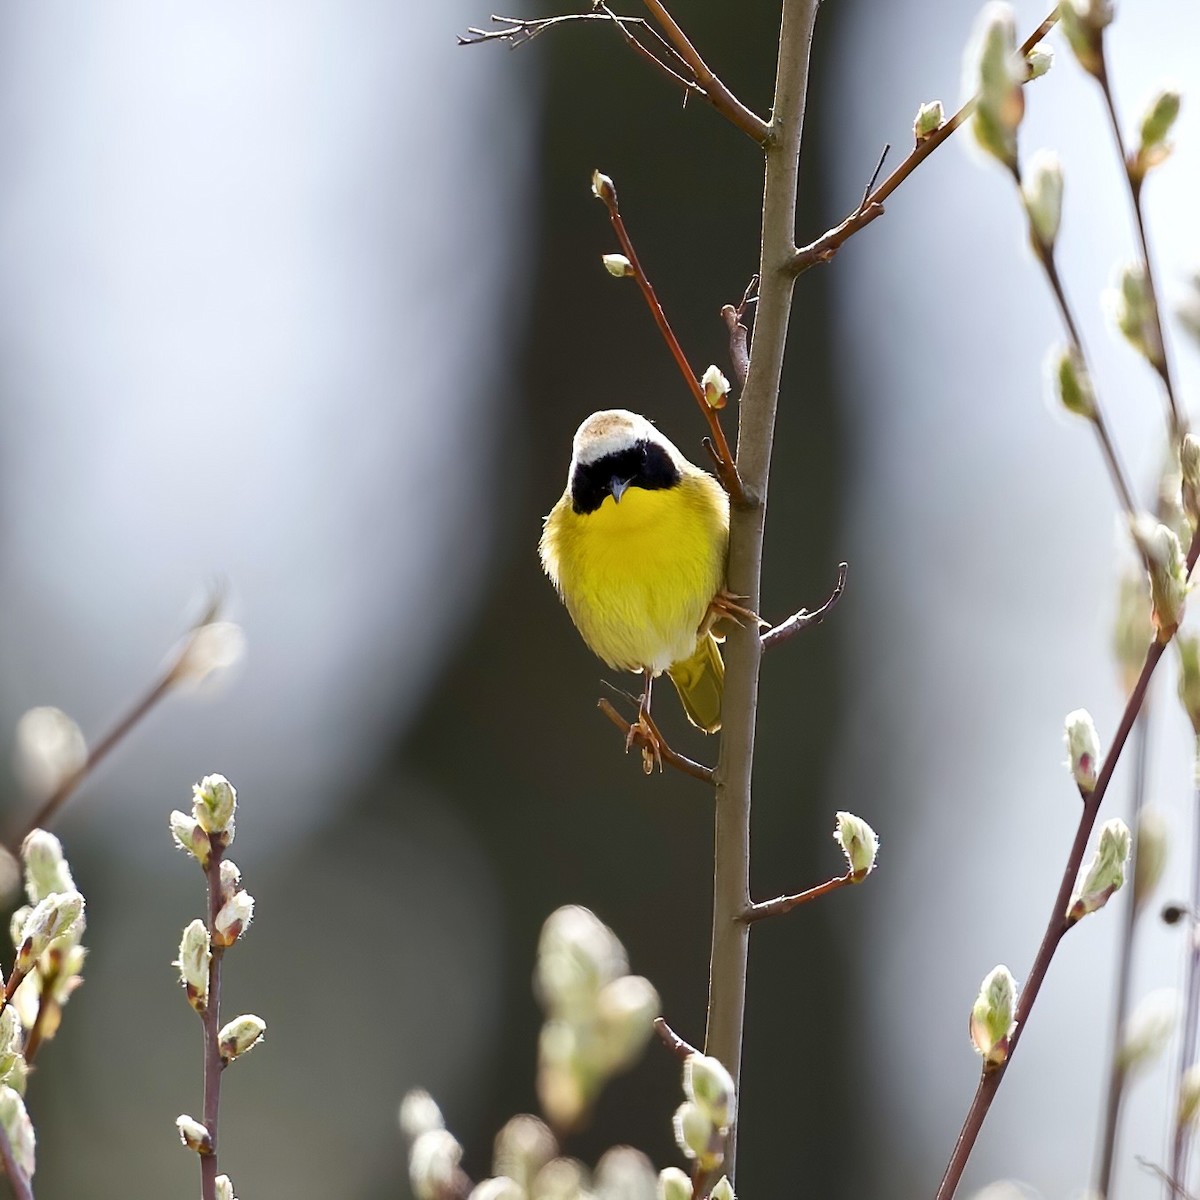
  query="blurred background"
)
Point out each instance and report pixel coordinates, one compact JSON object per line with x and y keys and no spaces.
{"x":303,"y":298}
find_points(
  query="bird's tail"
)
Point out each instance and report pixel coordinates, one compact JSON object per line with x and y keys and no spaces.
{"x":700,"y":680}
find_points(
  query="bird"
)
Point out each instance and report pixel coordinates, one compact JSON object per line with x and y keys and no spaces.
{"x":636,"y":549}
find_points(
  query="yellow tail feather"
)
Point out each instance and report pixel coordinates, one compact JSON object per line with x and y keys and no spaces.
{"x":700,"y":680}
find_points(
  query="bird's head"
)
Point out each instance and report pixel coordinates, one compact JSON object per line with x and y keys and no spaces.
{"x":615,"y":450}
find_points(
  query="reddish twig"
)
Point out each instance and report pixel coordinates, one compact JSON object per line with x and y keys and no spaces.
{"x":830,"y":242}
{"x":210,"y":1019}
{"x":1175,"y":414}
{"x":670,"y":757}
{"x":46,"y":1006}
{"x":606,"y":191}
{"x":672,"y":1040}
{"x":1058,"y":924}
{"x":805,"y":619}
{"x":715,"y":92}
{"x":783,"y":904}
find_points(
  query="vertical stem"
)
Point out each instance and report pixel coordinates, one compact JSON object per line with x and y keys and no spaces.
{"x":756,"y":427}
{"x":1116,"y":1075}
{"x":1181,"y":1141}
{"x":211,"y":1019}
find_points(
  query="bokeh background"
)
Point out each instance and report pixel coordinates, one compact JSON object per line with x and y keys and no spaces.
{"x":303,"y":298}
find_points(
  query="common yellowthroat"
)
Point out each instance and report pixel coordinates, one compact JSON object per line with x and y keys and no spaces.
{"x":636,"y":548}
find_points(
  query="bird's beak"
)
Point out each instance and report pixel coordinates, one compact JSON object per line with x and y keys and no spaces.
{"x":617,"y":487}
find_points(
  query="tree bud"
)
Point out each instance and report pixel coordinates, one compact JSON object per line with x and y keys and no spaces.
{"x":710,"y":1086}
{"x":1167,"y":569}
{"x":195,"y":957}
{"x":213,"y":805}
{"x":241,"y":1034}
{"x":929,"y":119}
{"x":859,"y":844}
{"x":1104,"y":873}
{"x":193,"y":1135}
{"x":1042,"y":194}
{"x":993,"y":1016}
{"x":1083,"y":749}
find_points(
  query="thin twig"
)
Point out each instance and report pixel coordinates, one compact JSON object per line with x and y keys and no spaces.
{"x":784,"y":904}
{"x":22,"y":1187}
{"x":679,"y":761}
{"x":805,"y":619}
{"x":46,"y":1006}
{"x":1181,"y":1142}
{"x":1116,"y":1073}
{"x":211,"y":1021}
{"x":715,"y":92}
{"x":1175,"y":414}
{"x":756,"y":431}
{"x":734,"y":319}
{"x":606,"y":191}
{"x":1058,"y":924}
{"x":96,"y":754}
{"x":672,"y":1040}
{"x":831,"y":241}
{"x":1099,"y":423}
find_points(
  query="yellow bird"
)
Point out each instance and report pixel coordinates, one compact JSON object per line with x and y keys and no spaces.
{"x":636,"y":548}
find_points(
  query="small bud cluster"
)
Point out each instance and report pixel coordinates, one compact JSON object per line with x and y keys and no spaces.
{"x":994,"y":72}
{"x":1133,"y":629}
{"x":929,"y":119}
{"x":1154,"y":131}
{"x":1083,"y":749}
{"x":1084,"y":22}
{"x":1103,"y":873}
{"x":1042,"y":195}
{"x":1152,"y":845}
{"x":526,"y":1163}
{"x":1131,"y":307}
{"x":702,"y":1122}
{"x":715,"y":387}
{"x":1167,"y":570}
{"x":598,"y":1016}
{"x":1070,"y":382}
{"x":993,"y":1017}
{"x":859,"y":844}
{"x":48,"y":936}
{"x":1148,"y":1030}
{"x":206,"y":833}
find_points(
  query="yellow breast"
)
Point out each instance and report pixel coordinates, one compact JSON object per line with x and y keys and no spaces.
{"x":637,"y":576}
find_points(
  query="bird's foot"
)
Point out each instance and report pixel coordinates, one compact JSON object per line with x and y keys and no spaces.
{"x":725,"y":606}
{"x":644,"y":734}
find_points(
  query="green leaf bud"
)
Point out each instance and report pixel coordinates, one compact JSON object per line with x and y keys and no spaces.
{"x":1167,"y":570}
{"x":188,"y":836}
{"x":1148,"y":1029}
{"x":1083,"y":749}
{"x":240,"y":1035}
{"x":195,"y":957}
{"x":1083,"y":22}
{"x":46,"y":870}
{"x":993,"y":1016}
{"x":1042,"y":194}
{"x":929,"y":119}
{"x":617,"y":265}
{"x":1153,"y":844}
{"x":710,"y":1086}
{"x":213,"y":805}
{"x":674,"y":1184}
{"x":1103,"y":873}
{"x":193,"y":1135}
{"x":18,"y":1128}
{"x":859,"y":844}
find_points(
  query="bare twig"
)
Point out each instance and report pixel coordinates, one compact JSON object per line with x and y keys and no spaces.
{"x":1176,"y":417}
{"x":784,"y":904}
{"x":734,"y":319}
{"x":1058,"y":924}
{"x":1099,"y":423}
{"x":211,"y":1021}
{"x":672,"y":1040}
{"x":703,"y":81}
{"x":1116,"y":1073}
{"x":46,"y":1013}
{"x":679,"y":761}
{"x":715,"y":92}
{"x":606,"y":191}
{"x":805,"y":619}
{"x":22,"y":1188}
{"x":829,"y":243}
{"x":96,"y":754}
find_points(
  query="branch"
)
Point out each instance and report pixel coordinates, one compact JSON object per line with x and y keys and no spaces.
{"x":704,"y":82}
{"x":22,"y":1187}
{"x":173,"y":673}
{"x":715,"y":92}
{"x":1175,"y":414}
{"x":672,"y":1040}
{"x":784,"y":904}
{"x":805,"y":619}
{"x":678,"y":761}
{"x":211,"y":1021}
{"x":830,"y":242}
{"x":606,"y":191}
{"x":756,"y":432}
{"x":1058,"y":924}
